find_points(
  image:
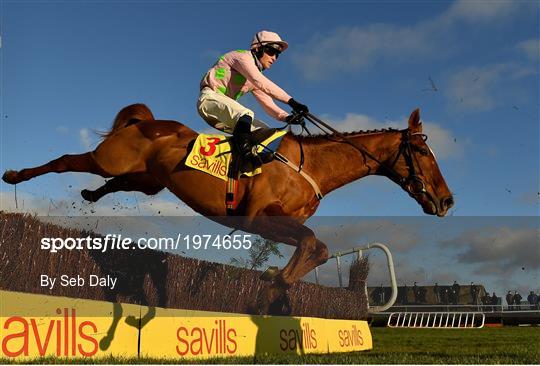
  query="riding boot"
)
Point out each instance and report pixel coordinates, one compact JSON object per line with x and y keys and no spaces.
{"x":242,"y":137}
{"x":245,"y":144}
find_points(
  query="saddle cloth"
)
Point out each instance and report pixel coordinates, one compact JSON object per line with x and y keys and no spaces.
{"x":212,"y":154}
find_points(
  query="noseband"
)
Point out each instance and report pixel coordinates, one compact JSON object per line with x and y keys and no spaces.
{"x":412,"y":184}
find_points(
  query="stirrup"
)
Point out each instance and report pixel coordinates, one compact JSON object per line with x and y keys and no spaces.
{"x":266,"y":156}
{"x":245,"y":147}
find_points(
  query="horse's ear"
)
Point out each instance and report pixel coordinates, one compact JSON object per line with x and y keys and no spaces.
{"x":414,"y":121}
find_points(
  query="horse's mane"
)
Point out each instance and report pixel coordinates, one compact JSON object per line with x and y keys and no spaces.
{"x":324,"y":136}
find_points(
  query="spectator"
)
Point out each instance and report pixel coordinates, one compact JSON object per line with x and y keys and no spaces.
{"x":474,"y":294}
{"x":494,"y":301}
{"x":405,"y":293}
{"x":437,"y":294}
{"x":455,"y":293}
{"x":517,"y":300}
{"x":422,"y":291}
{"x":446,"y":296}
{"x":510,"y":300}
{"x":381,"y":294}
{"x":532,"y":299}
{"x":415,"y":293}
{"x":375,"y":296}
{"x":400,"y":295}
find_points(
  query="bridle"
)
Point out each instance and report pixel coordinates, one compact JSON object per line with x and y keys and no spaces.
{"x":412,"y":184}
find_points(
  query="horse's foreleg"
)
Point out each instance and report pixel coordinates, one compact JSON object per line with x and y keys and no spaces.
{"x":66,"y":163}
{"x":141,"y":182}
{"x":310,"y":253}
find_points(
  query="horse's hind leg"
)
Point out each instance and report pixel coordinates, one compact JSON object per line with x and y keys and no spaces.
{"x":141,"y":182}
{"x":122,"y":153}
{"x":67,"y":163}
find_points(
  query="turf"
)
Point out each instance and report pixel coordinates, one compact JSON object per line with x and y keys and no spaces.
{"x":508,"y":345}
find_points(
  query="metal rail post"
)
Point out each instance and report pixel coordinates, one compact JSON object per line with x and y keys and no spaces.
{"x":338,"y":263}
{"x":393,"y":282}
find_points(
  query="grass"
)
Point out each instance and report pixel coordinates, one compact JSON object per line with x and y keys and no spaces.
{"x":508,"y":345}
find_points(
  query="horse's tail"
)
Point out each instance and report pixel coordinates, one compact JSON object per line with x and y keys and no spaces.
{"x":127,"y":116}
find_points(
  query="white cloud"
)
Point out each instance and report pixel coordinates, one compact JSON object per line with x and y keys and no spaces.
{"x":443,"y":143}
{"x":500,"y":250}
{"x":86,"y":140}
{"x":441,"y":140}
{"x":74,"y":206}
{"x":475,"y":11}
{"x":477,"y":87}
{"x":345,"y":236}
{"x":149,"y":217}
{"x":353,"y":49}
{"x":531,"y":48}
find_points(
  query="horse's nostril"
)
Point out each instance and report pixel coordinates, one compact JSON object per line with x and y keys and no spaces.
{"x":448,"y":202}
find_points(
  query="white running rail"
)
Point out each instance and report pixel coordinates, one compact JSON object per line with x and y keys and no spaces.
{"x":359,"y":251}
{"x":436,"y":320}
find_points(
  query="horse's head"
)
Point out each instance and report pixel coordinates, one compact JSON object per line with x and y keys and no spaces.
{"x":418,"y":172}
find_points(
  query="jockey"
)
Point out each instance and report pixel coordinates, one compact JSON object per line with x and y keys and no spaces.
{"x":237,"y":73}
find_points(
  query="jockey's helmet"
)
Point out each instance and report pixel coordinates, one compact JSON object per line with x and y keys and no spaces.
{"x":268,"y":39}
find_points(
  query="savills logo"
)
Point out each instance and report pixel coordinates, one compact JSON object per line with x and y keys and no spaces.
{"x":350,"y":337}
{"x":219,"y":339}
{"x":216,"y":167}
{"x":71,"y":338}
{"x":303,"y":338}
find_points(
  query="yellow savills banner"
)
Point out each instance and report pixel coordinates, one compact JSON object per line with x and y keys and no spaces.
{"x":198,"y":334}
{"x":37,"y":325}
{"x":348,"y":335}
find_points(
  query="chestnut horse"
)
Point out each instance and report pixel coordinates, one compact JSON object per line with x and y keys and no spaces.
{"x":148,"y":155}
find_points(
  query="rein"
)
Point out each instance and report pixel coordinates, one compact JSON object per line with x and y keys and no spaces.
{"x":413,"y":184}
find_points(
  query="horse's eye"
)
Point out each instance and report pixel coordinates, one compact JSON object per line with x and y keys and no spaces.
{"x":416,"y":186}
{"x":421,"y":150}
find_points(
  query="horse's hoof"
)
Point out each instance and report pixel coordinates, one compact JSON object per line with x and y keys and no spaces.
{"x":281,"y":305}
{"x":286,"y":307}
{"x":88,"y":195}
{"x":273,"y":300}
{"x":270,"y":273}
{"x":10,"y":176}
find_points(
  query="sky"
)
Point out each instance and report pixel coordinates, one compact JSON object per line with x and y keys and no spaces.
{"x":472,"y":67}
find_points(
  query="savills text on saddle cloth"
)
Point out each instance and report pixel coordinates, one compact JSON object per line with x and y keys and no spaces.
{"x":212,"y":154}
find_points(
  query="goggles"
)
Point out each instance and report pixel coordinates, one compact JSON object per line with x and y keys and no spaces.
{"x":272,"y":49}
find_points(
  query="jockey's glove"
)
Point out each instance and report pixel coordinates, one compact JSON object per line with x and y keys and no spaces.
{"x":298,"y":107}
{"x":295,"y":119}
